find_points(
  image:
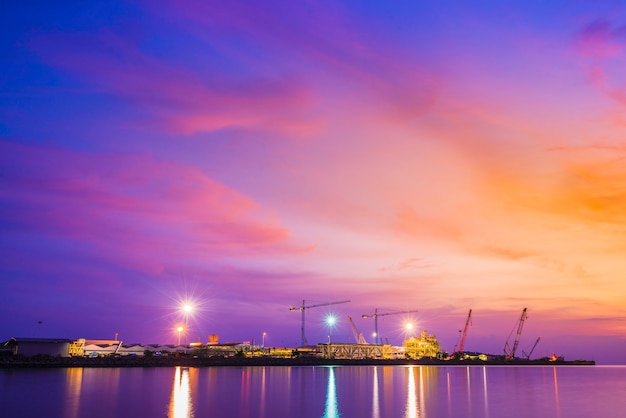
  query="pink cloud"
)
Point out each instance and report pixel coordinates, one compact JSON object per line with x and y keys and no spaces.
{"x":133,"y":207}
{"x":601,"y":39}
{"x":602,"y":46}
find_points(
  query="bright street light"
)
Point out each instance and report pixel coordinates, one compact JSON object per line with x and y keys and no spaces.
{"x":187,"y":308}
{"x":179,"y":329}
{"x":331,"y":320}
{"x":409,"y":329}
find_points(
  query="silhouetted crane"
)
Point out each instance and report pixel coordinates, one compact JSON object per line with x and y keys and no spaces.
{"x":468,"y":322}
{"x":531,"y":350}
{"x":358,"y":336}
{"x":302,"y":308}
{"x":375,"y":315}
{"x":509,"y":352}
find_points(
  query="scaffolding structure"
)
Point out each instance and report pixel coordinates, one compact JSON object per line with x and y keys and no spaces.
{"x":356,"y":351}
{"x":424,"y":346}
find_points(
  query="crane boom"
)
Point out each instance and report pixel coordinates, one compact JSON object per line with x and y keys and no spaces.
{"x":468,"y":322}
{"x":375,"y":315}
{"x":358,"y":336}
{"x":509,"y":352}
{"x":532,"y":349}
{"x":302,"y":308}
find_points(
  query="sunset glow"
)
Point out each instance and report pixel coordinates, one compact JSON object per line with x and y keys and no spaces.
{"x":414,"y":155}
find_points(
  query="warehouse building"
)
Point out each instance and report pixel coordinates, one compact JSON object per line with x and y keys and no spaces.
{"x":38,"y":346}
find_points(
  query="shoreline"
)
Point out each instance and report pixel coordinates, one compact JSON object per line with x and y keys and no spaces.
{"x":181,"y":361}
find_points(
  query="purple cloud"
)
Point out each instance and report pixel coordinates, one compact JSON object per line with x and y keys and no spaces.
{"x":133,"y":206}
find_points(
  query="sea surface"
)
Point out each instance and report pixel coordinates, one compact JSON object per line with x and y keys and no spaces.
{"x":330,"y":392}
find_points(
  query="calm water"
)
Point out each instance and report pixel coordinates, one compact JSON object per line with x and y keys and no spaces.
{"x":268,"y":392}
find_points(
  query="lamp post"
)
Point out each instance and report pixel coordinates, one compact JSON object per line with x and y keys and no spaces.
{"x":409,"y":329}
{"x":187,"y":308}
{"x":180,"y":330}
{"x":330,"y":321}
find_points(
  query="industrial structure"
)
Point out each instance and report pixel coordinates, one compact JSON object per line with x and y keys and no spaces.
{"x":461,"y":345}
{"x":356,"y":351}
{"x":509,"y":352}
{"x":358,"y":336}
{"x":423,"y":346}
{"x":302,"y":308}
{"x":38,"y":346}
{"x":375,"y":315}
{"x":414,"y":348}
{"x":530,"y":353}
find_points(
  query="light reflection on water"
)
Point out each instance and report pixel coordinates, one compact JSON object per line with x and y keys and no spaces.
{"x":181,"y":405}
{"x":263,"y":393}
{"x":485,"y":392}
{"x":556,"y":395}
{"x":411,"y":399}
{"x":73,"y":385}
{"x":317,"y":392}
{"x":375,"y":401}
{"x":469,"y":388}
{"x":332,"y":409}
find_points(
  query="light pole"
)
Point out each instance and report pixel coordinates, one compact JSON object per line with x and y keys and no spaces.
{"x":263,"y":339}
{"x":330,"y":321}
{"x":409,"y":330}
{"x":180,"y":330}
{"x":187,"y":308}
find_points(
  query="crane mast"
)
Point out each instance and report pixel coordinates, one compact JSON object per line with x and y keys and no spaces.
{"x":509,"y":352}
{"x":302,"y":308}
{"x":468,"y":322}
{"x":375,"y":315}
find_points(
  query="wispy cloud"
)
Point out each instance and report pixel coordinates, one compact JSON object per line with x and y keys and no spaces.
{"x":602,"y":44}
{"x":601,"y":38}
{"x":173,"y":95}
{"x":133,"y":206}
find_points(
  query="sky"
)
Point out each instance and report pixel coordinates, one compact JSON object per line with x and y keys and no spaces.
{"x":244,"y":157}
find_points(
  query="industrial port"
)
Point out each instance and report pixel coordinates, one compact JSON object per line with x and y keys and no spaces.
{"x":417,"y":349}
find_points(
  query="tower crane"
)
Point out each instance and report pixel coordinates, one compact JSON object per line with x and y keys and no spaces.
{"x":358,"y":336}
{"x":302,"y":308}
{"x":375,"y":315}
{"x":509,"y":352}
{"x":468,"y":322}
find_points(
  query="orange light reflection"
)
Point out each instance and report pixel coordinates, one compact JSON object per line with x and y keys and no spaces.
{"x":181,"y":403}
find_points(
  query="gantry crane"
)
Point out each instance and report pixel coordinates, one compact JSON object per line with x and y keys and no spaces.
{"x":375,"y":315}
{"x":468,"y":322}
{"x":509,"y":352}
{"x":358,"y":336}
{"x":302,"y":308}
